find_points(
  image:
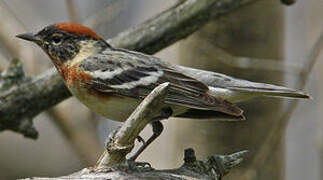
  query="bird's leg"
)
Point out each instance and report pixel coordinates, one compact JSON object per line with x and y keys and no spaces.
{"x":157,"y":127}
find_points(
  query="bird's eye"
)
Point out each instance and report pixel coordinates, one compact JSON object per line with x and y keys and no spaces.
{"x":57,"y":40}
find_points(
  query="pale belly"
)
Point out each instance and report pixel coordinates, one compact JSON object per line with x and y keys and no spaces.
{"x":113,"y":107}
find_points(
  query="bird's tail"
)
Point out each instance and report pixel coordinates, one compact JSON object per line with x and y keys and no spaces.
{"x":271,"y":90}
{"x":210,"y":114}
{"x":251,"y":89}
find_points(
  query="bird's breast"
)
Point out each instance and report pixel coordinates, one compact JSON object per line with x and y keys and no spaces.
{"x":106,"y":104}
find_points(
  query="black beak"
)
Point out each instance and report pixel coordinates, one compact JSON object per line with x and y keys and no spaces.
{"x":29,"y":37}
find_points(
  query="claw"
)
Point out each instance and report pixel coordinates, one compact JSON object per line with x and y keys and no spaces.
{"x":139,"y":166}
{"x":141,"y":140}
{"x":157,"y":130}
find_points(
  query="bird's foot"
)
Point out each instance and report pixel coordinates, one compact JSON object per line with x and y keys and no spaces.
{"x":157,"y":130}
{"x":138,"y":166}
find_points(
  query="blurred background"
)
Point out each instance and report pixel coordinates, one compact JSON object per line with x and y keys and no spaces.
{"x":285,"y":140}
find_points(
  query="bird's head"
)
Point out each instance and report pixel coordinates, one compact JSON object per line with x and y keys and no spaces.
{"x":63,"y":42}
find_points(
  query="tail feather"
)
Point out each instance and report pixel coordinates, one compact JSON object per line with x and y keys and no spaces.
{"x":206,"y":102}
{"x":209,"y":114}
{"x":271,"y":90}
{"x":219,"y":104}
{"x":295,"y":94}
{"x":218,"y":80}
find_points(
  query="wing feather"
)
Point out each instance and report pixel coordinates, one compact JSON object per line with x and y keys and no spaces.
{"x":214,"y":79}
{"x":137,"y":76}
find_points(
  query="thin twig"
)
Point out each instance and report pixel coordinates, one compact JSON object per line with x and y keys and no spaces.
{"x":224,"y":57}
{"x":106,"y":15}
{"x":122,"y":142}
{"x":274,"y":137}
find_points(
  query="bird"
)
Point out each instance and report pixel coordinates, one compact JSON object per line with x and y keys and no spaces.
{"x":112,"y":81}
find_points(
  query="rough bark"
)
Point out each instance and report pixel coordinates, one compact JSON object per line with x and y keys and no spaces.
{"x":254,"y":31}
{"x":21,"y":102}
{"x":191,"y":169}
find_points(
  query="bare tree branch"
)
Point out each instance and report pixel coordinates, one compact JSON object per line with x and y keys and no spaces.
{"x":267,"y":147}
{"x":107,"y":14}
{"x":122,"y":142}
{"x":31,"y":97}
{"x":208,"y":168}
{"x":288,"y":2}
{"x":174,"y":24}
{"x":11,"y":79}
{"x":113,"y":164}
{"x":241,"y":62}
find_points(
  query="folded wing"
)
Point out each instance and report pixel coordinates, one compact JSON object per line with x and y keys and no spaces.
{"x":138,"y":75}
